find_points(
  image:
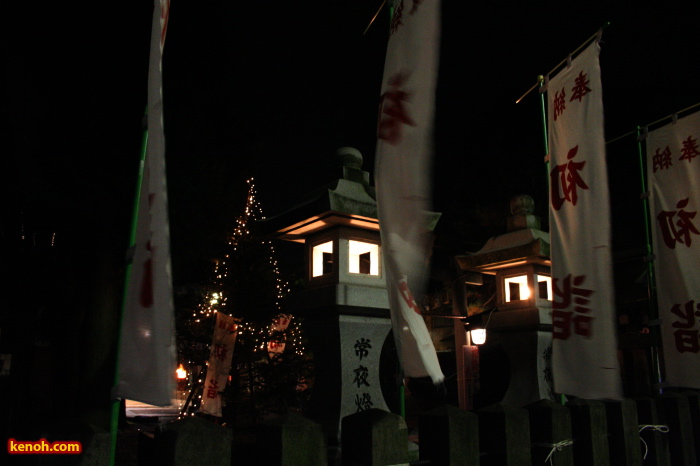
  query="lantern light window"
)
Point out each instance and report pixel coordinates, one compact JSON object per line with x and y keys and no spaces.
{"x":322,"y":258}
{"x":364,"y":258}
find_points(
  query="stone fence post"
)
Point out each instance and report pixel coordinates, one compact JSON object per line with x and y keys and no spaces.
{"x":550,"y":433}
{"x":504,"y":435}
{"x":449,"y":436}
{"x":590,"y":432}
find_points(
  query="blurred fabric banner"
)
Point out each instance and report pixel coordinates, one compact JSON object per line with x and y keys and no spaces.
{"x":402,"y":175}
{"x":219,"y":365}
{"x":147,"y":344}
{"x":674,"y":189}
{"x":584,"y":339}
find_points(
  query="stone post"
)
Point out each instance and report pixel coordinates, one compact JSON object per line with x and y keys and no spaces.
{"x":676,"y":415}
{"x":550,"y":433}
{"x":623,"y":432}
{"x":504,"y":435}
{"x":694,"y":411}
{"x":291,"y":440}
{"x":374,"y":437}
{"x":193,"y":440}
{"x":589,"y":429}
{"x":449,"y":436}
{"x":656,"y":441}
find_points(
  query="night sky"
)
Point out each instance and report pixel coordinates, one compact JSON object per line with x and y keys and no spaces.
{"x":272,"y":89}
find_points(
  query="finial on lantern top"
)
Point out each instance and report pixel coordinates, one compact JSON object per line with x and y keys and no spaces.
{"x":349,"y":160}
{"x":349,"y":157}
{"x":522,"y":209}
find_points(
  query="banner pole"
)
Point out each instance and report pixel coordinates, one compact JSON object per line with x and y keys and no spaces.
{"x":657,"y":377}
{"x":586,"y":42}
{"x":545,"y":139}
{"x":545,"y":134}
{"x":116,"y":402}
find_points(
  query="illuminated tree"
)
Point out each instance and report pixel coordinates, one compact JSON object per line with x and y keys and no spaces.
{"x":269,"y":360}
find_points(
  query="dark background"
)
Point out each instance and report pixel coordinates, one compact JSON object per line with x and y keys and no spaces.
{"x":271,"y":90}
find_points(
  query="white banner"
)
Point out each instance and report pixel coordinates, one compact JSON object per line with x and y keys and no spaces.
{"x":219,"y":365}
{"x":403,"y":167}
{"x":584,"y":345}
{"x":147,"y":346}
{"x":279,"y":324}
{"x":674,"y":187}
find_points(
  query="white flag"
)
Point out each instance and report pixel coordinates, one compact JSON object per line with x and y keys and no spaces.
{"x":147,"y":344}
{"x":279,"y":324}
{"x":404,"y":151}
{"x":673,"y":168}
{"x":219,"y":365}
{"x":584,"y":339}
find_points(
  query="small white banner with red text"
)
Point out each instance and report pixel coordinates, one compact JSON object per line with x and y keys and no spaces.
{"x":219,"y":365}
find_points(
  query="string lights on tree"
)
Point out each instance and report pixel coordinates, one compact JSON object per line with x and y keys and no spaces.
{"x":246,"y":283}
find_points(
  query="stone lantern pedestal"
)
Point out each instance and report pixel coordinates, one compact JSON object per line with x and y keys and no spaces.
{"x":345,"y":307}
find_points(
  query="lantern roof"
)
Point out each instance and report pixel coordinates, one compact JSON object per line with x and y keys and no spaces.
{"x":348,"y":201}
{"x":522,"y":245}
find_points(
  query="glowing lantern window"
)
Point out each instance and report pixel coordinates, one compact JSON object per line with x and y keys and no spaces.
{"x":478,"y":336}
{"x":364,"y":258}
{"x":544,"y":287}
{"x":516,"y":288}
{"x":322,"y":258}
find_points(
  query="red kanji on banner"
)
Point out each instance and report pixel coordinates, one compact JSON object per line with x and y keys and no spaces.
{"x":559,"y":103}
{"x":565,"y":178}
{"x":580,"y":87}
{"x":680,"y":230}
{"x":562,"y":316}
{"x":662,"y":160}
{"x":392,"y":111}
{"x":690,"y":149}
{"x":213,"y":389}
{"x":220,"y":351}
{"x":687,"y":337}
{"x":407,"y":296}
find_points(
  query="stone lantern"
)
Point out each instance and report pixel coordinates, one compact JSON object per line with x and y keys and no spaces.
{"x":522,"y":322}
{"x":345,"y":306}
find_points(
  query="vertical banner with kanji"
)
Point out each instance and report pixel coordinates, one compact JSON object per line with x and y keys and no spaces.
{"x":219,"y":365}
{"x":147,"y":345}
{"x":276,"y":345}
{"x":403,"y":167}
{"x":674,"y":188}
{"x":584,"y":338}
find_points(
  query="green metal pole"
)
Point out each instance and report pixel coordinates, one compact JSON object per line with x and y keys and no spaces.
{"x":114,"y":424}
{"x":543,"y":112}
{"x":651,"y":287}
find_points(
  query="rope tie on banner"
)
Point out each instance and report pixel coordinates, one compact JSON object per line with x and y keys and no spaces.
{"x":555,"y":447}
{"x":658,"y":428}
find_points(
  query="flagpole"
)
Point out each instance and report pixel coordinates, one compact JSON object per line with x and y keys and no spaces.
{"x":543,"y":111}
{"x":545,"y":134}
{"x":116,"y":402}
{"x":566,"y":60}
{"x":651,"y":283}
